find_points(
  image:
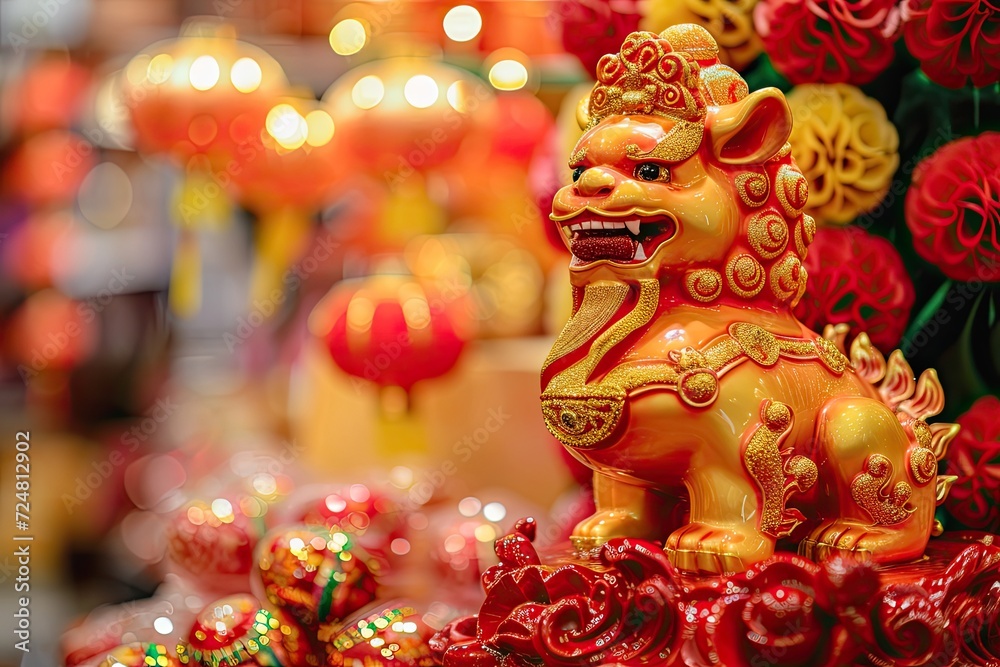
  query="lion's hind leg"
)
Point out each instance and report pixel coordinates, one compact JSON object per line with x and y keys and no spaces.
{"x":871,"y":504}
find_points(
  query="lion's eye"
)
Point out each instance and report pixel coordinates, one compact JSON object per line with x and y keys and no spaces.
{"x":650,"y":171}
{"x":578,"y":172}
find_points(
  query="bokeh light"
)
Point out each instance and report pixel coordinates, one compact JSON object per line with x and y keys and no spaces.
{"x":348,"y":37}
{"x":462,"y":23}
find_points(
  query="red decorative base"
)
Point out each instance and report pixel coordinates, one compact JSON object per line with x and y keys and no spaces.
{"x":631,"y":607}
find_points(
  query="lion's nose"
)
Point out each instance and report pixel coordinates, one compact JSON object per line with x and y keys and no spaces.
{"x":595,"y":182}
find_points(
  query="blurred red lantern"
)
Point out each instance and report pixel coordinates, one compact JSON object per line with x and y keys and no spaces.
{"x":202,"y":100}
{"x":48,"y":168}
{"x":389,"y":329}
{"x":523,"y":124}
{"x":419,"y":110}
{"x":203,"y":93}
{"x":48,"y":95}
{"x":288,"y":174}
{"x":50,"y":332}
{"x":28,"y":253}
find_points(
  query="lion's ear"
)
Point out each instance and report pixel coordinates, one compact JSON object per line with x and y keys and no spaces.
{"x":752,"y":130}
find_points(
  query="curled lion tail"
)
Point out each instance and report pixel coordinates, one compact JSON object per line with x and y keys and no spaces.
{"x":912,"y":401}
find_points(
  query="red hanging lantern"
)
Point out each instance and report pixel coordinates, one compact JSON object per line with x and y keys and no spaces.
{"x":390,"y":329}
{"x":48,"y":95}
{"x":203,"y":93}
{"x":201,"y":100}
{"x":290,"y":173}
{"x":49,"y":167}
{"x":419,"y":109}
{"x":29,"y":255}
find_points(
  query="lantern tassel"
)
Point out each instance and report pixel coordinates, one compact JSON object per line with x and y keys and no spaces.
{"x":281,"y":237}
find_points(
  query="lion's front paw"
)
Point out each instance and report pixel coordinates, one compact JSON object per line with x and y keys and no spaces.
{"x":703,"y":549}
{"x":861,"y":541}
{"x":607,"y":524}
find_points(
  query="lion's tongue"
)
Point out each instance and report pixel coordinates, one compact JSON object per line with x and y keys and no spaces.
{"x":590,"y":248}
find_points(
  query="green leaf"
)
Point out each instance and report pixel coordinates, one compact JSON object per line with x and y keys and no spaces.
{"x":929,"y":310}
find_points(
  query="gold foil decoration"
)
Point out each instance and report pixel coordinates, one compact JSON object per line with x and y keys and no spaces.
{"x":703,"y":285}
{"x":870,"y":491}
{"x":778,"y":474}
{"x":768,"y":233}
{"x":745,"y":276}
{"x":923,"y":465}
{"x":753,"y":188}
{"x":792,"y":190}
{"x":600,"y":302}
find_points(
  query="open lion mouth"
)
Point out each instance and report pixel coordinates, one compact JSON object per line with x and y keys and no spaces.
{"x":626,"y":240}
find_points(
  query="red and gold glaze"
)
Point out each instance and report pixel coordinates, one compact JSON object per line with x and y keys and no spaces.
{"x":712,"y":418}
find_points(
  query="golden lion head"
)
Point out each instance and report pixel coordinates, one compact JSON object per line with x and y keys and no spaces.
{"x":685,"y":175}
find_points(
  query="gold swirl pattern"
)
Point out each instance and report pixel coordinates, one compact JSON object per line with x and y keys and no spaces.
{"x":703,"y":285}
{"x":792,"y":190}
{"x":870,"y":491}
{"x":847,"y":148}
{"x":786,"y":277}
{"x":767,"y":232}
{"x":745,"y":276}
{"x":646,"y":76}
{"x":805,"y":232}
{"x":923,"y":465}
{"x":753,"y":188}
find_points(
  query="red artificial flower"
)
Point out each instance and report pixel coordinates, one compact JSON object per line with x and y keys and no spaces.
{"x":829,"y":41}
{"x":859,"y":279}
{"x":974,"y":455}
{"x":593,"y":28}
{"x":955,"y":40}
{"x":953,"y":208}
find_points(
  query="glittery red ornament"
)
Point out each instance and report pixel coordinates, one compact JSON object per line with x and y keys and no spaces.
{"x":394,"y":633}
{"x":234,"y":631}
{"x":592,"y":28}
{"x":956,"y":41}
{"x":137,"y":654}
{"x":974,"y":455}
{"x":317,"y":576}
{"x":828,"y":41}
{"x":859,"y":279}
{"x":953,"y":208}
{"x":214,"y":543}
{"x":374,"y":519}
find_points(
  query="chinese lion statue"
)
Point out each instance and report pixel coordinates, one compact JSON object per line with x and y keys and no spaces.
{"x":712,"y":418}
